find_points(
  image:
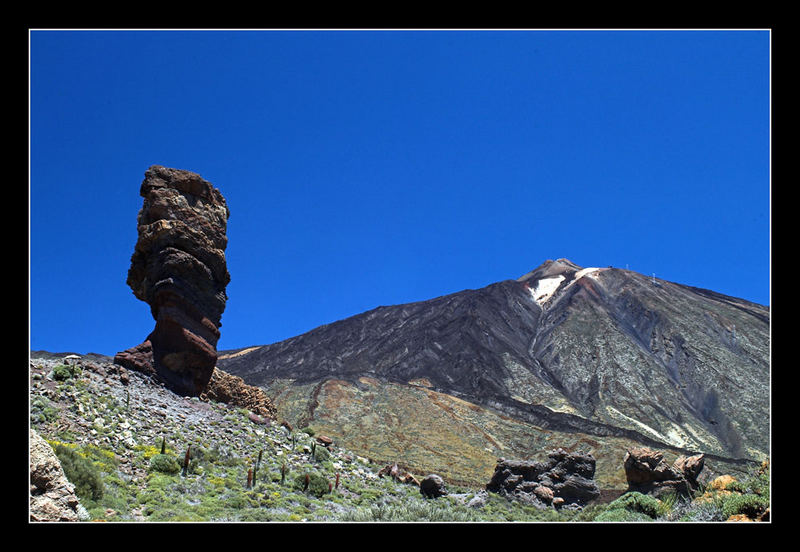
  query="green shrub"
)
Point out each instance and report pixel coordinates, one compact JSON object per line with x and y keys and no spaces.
{"x":759,"y":482}
{"x":81,"y":472}
{"x":736,"y":487}
{"x":622,"y":514}
{"x":412,"y":510}
{"x":164,"y":463}
{"x":64,"y":371}
{"x":667,"y":503}
{"x":308,"y":431}
{"x":637,"y":502}
{"x":42,"y":411}
{"x":321,"y":454}
{"x":151,"y":496}
{"x":750,"y":505}
{"x":317,"y":484}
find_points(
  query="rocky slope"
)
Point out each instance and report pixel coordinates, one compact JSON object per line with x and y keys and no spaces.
{"x":113,"y":425}
{"x":602,"y":359}
{"x":117,"y":446}
{"x":118,"y":420}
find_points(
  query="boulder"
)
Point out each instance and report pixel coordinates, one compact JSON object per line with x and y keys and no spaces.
{"x":563,"y":480}
{"x":432,"y":486}
{"x":178,"y":268}
{"x":647,"y":472}
{"x":52,"y":496}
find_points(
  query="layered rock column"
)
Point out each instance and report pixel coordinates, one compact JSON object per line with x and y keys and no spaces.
{"x":178,"y":267}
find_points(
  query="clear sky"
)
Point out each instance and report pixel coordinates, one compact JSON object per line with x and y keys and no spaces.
{"x":368,"y":168}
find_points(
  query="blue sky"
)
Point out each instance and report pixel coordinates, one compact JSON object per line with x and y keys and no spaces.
{"x":368,"y":168}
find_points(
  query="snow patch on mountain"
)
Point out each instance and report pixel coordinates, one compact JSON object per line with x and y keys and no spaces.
{"x":545,"y":288}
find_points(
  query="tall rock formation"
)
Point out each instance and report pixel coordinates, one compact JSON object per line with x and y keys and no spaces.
{"x":178,"y":267}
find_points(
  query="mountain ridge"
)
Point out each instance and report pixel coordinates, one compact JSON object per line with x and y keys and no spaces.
{"x":601,"y":351}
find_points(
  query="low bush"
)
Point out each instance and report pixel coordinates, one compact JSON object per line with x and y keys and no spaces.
{"x":64,"y":371}
{"x":414,"y":510}
{"x":321,"y":454}
{"x":42,"y":411}
{"x":164,"y":463}
{"x":622,"y":515}
{"x":81,"y":472}
{"x":749,"y":504}
{"x":637,"y":502}
{"x":317,"y":484}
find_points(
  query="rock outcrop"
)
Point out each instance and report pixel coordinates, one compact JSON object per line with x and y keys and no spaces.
{"x":399,"y":474}
{"x":563,"y":480}
{"x":232,"y":390}
{"x":178,"y":268}
{"x":52,"y":496}
{"x":647,"y":472}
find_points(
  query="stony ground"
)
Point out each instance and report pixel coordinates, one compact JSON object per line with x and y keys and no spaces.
{"x":118,"y":421}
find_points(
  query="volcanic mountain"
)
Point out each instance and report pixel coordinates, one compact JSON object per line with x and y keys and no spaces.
{"x":597,"y":359}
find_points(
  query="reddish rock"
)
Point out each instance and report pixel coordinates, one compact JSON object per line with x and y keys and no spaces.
{"x":138,"y":358}
{"x":325,"y":441}
{"x":232,"y":390}
{"x":256,"y":419}
{"x":399,"y":474}
{"x":647,"y":472}
{"x":689,"y":466}
{"x":643,"y":465}
{"x":178,"y":268}
{"x":545,"y":494}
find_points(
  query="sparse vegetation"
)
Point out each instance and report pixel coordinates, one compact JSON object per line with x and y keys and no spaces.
{"x":42,"y":411}
{"x":81,"y":472}
{"x":632,"y":507}
{"x":197,"y":470}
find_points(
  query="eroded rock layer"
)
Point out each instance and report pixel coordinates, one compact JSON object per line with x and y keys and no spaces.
{"x":178,"y":268}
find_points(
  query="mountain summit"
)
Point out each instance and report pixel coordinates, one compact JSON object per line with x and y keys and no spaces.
{"x":599,"y":358}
